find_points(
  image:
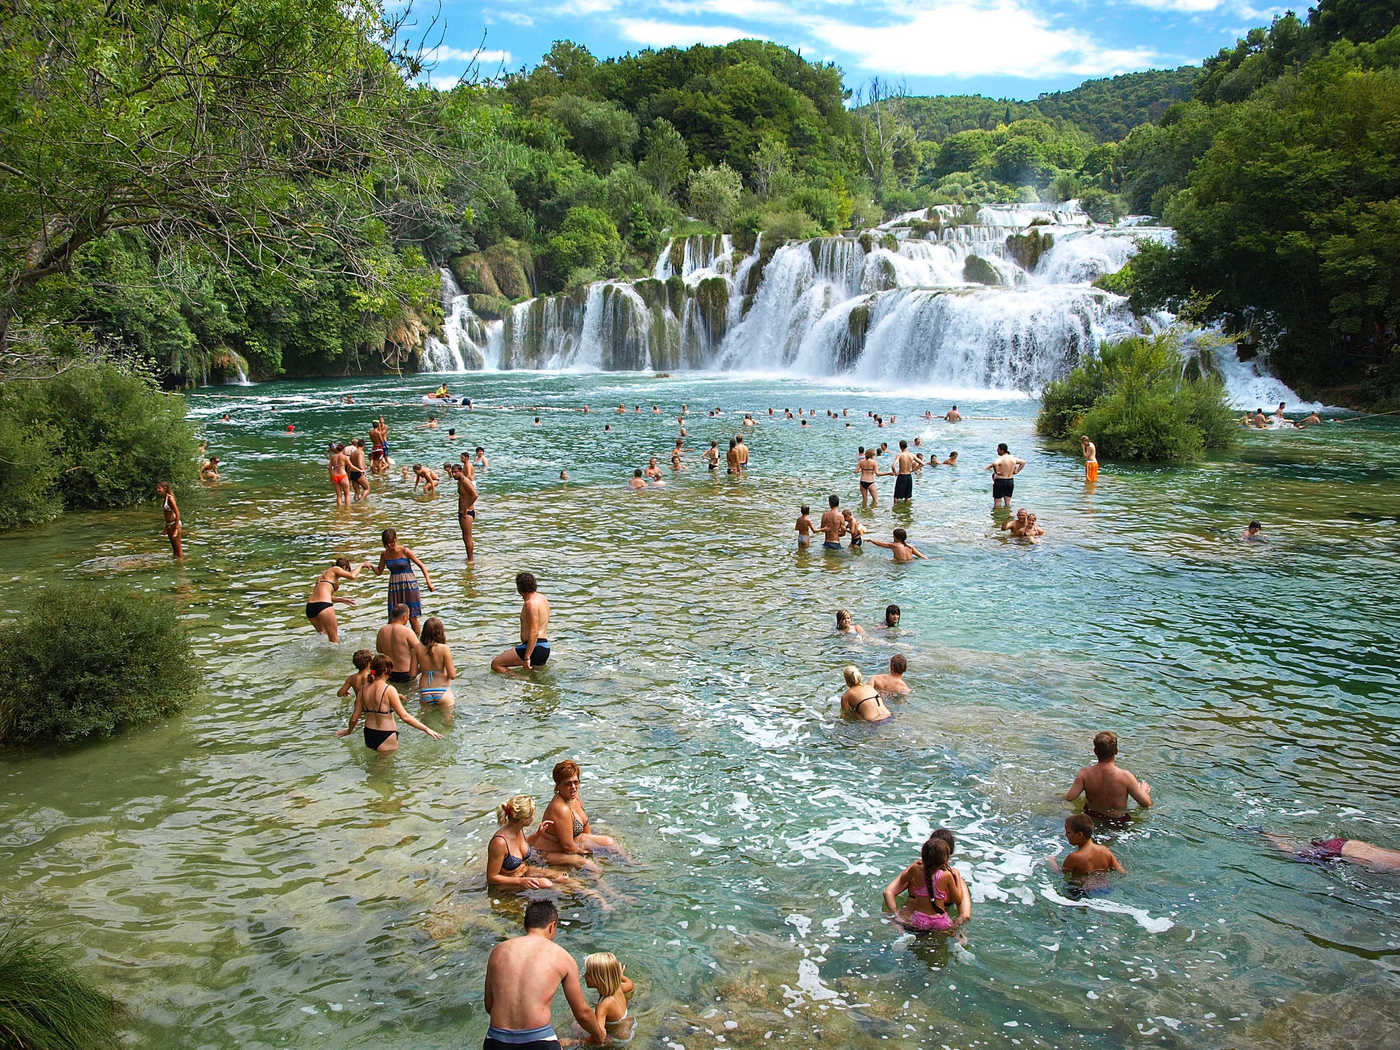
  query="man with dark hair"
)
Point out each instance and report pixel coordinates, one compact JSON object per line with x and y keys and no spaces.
{"x":533,"y":650}
{"x":397,"y":641}
{"x":466,"y":505}
{"x":904,"y":466}
{"x":892,"y":684}
{"x":832,"y":525}
{"x":1106,"y":786}
{"x":522,"y":975}
{"x":1004,"y":470}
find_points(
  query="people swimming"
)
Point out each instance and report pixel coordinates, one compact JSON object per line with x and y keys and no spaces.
{"x":1354,"y":851}
{"x":1087,"y":857}
{"x":860,"y":700}
{"x":929,"y":886}
{"x":845,"y":625}
{"x":892,"y":683}
{"x":900,"y":547}
{"x":1107,"y":786}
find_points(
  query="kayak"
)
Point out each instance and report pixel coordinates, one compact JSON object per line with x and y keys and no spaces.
{"x":446,"y":402}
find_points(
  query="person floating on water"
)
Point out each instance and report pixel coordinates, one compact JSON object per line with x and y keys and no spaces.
{"x":1106,"y":786}
{"x":1355,"y":851}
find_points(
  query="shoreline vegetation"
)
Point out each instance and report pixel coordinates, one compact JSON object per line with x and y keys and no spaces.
{"x":309,"y":242}
{"x":46,"y":1004}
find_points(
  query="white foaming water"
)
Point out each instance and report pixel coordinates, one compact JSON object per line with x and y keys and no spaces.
{"x":889,"y":312}
{"x":1248,"y":387}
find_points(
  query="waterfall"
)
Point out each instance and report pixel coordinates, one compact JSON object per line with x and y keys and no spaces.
{"x":469,"y":343}
{"x":998,"y":297}
{"x":240,"y":376}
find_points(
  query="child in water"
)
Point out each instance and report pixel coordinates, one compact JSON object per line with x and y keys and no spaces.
{"x":804,"y":526}
{"x":604,"y":974}
{"x":356,"y":682}
{"x":1087,"y":857}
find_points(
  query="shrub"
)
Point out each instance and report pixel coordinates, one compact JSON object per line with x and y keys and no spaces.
{"x":782,"y":226}
{"x":96,"y":436}
{"x":1102,"y":206}
{"x":977,"y":270}
{"x":81,"y":664}
{"x":714,"y":194}
{"x":47,"y":1005}
{"x":1135,"y":404}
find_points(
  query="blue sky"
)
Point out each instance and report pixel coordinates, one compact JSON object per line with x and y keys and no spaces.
{"x":1012,"y":48}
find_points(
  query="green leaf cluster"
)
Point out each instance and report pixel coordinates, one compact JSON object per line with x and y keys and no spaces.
{"x":45,"y":1004}
{"x":83,"y":663}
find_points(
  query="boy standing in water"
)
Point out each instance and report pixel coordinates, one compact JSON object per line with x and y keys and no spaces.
{"x":1106,"y":786}
{"x":1087,"y":857}
{"x":356,"y":681}
{"x":804,"y":527}
{"x":901,"y":548}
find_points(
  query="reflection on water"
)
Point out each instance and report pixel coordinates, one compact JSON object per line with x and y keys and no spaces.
{"x":241,"y":877}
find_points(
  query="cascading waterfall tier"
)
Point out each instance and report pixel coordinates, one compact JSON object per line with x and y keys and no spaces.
{"x":999,"y":298}
{"x":468,"y":342}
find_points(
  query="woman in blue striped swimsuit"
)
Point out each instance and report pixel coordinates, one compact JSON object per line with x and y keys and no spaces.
{"x":403,"y":585}
{"x":435,"y":667}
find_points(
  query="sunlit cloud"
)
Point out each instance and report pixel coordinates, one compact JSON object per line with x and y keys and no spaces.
{"x":675,"y":34}
{"x":485,"y":57}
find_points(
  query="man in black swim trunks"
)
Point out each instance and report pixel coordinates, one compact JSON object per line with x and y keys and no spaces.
{"x":1004,"y":469}
{"x":533,"y":650}
{"x":466,"y":507}
{"x":397,"y":641}
{"x":904,"y":466}
{"x":833,"y":525}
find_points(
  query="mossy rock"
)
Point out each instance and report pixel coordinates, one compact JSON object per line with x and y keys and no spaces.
{"x":677,"y":254}
{"x":512,"y":266}
{"x":491,"y":307}
{"x":712,"y":300}
{"x":853,"y":345}
{"x":919,"y":228}
{"x":977,"y":270}
{"x":880,"y":276}
{"x":652,"y":291}
{"x":473,"y":274}
{"x":1027,"y":248}
{"x":867,"y":243}
{"x":889,"y":242}
{"x":676,"y":292}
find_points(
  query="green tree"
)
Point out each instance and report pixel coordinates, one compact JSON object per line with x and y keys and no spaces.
{"x":665,"y":158}
{"x":714,"y":194}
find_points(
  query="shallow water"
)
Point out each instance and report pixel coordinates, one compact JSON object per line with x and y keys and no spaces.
{"x":238,"y":876}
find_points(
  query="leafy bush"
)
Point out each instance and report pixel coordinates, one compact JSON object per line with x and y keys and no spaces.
{"x":1102,"y":206}
{"x":92,"y":436}
{"x":81,"y":664}
{"x":714,"y":194}
{"x":47,"y":1005}
{"x":1135,"y":404}
{"x":796,"y":225}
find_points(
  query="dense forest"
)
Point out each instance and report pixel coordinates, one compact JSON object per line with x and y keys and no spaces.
{"x":290,"y":216}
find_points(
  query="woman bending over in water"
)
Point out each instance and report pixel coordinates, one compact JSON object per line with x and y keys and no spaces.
{"x":860,"y":700}
{"x":510,"y":853}
{"x":565,"y":836}
{"x":378,"y":702}
{"x":435,"y":666}
{"x":930,"y":885}
{"x":320,"y":603}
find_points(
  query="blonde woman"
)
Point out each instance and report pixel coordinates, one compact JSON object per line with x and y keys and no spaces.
{"x":510,"y":851}
{"x":435,"y":667}
{"x":603,"y":973}
{"x":860,"y":700}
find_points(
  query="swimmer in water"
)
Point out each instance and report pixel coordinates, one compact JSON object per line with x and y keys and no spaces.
{"x":952,"y":460}
{"x":1254,"y":531}
{"x":901,"y":548}
{"x":604,"y":974}
{"x":845,"y":625}
{"x":853,"y":529}
{"x":805,"y":529}
{"x":1367,"y":854}
{"x":1087,"y":857}
{"x":892,"y":684}
{"x":653,"y":471}
{"x":636,"y":482}
{"x":1106,"y":786}
{"x":858,"y":695}
{"x":1017,"y":525}
{"x":891,"y":620}
{"x":512,"y":862}
{"x":953,"y":415}
{"x":930,"y":885}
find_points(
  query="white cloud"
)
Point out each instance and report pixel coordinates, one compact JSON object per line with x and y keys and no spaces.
{"x":999,"y":37}
{"x":519,"y":18}
{"x":583,"y":8}
{"x":444,"y":83}
{"x":674,"y":34}
{"x":747,"y":10}
{"x":443,"y":53}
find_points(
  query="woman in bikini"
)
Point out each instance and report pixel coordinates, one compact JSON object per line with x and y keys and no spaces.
{"x":403,"y":585}
{"x":170,"y":511}
{"x":930,"y":885}
{"x":339,"y":467}
{"x":435,"y":667}
{"x":512,"y":861}
{"x":320,"y":603}
{"x":378,"y":702}
{"x":565,"y":835}
{"x":860,"y":700}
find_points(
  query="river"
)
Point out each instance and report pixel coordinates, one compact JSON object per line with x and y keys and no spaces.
{"x":240,"y":877}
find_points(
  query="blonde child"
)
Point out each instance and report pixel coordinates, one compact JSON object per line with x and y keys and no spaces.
{"x":603,"y":973}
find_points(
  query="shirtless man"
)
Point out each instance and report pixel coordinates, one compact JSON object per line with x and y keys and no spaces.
{"x":1091,"y":459}
{"x":832,"y":525}
{"x":653,"y":471}
{"x":1106,"y":786}
{"x":904,"y":466}
{"x":636,"y":482}
{"x":170,"y":511}
{"x":901,"y":548}
{"x":432,"y":423}
{"x":892,"y":684}
{"x":953,"y":415}
{"x":355,"y":457}
{"x":533,"y":650}
{"x":1278,"y":413}
{"x":711,"y":456}
{"x":869,"y":470}
{"x":743,"y":451}
{"x":466,"y":507}
{"x":397,"y":641}
{"x":804,"y":528}
{"x":952,"y":460}
{"x":1017,"y":525}
{"x":731,"y":458}
{"x":209,"y":469}
{"x":1311,"y":420}
{"x":1004,"y":468}
{"x":522,"y":975}
{"x":426,"y":477}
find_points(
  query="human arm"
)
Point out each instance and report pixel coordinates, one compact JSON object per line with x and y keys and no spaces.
{"x":1076,"y":789}
{"x":379,"y":569}
{"x":1141,"y":792}
{"x":917,"y":553}
{"x":1020,"y":465}
{"x":343,"y":600}
{"x":449,"y":669}
{"x":495,"y":856}
{"x":397,"y":704}
{"x":882,"y":543}
{"x":344,"y":690}
{"x":897,"y":886}
{"x":414,"y":558}
{"x":578,"y":1005}
{"x":563,"y":818}
{"x":964,"y":902}
{"x":354,"y":720}
{"x":1114,"y":864}
{"x":417,"y":479}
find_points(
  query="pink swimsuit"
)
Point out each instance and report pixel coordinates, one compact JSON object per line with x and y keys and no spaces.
{"x":923,"y":921}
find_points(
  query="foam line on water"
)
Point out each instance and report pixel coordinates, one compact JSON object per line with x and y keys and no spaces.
{"x":1140,"y":915}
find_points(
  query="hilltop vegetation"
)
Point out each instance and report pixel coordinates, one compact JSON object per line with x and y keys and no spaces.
{"x":304,"y":236}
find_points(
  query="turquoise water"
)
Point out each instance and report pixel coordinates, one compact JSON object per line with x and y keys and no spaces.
{"x":239,"y":876}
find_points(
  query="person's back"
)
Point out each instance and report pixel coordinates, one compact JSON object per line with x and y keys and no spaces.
{"x":893,"y":683}
{"x":522,"y":975}
{"x":397,"y":641}
{"x":1106,"y":786}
